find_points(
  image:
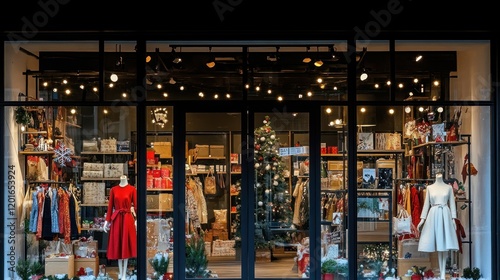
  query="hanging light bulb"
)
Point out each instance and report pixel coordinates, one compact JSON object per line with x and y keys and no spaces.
{"x":363,"y":75}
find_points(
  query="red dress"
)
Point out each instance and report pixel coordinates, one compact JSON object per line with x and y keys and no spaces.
{"x":122,"y":243}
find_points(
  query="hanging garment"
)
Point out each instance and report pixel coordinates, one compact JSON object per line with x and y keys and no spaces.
{"x":415,"y":206}
{"x":46,"y":233}
{"x":54,"y":210}
{"x":297,"y":193}
{"x":122,"y":243}
{"x":64,"y":217}
{"x":192,"y":208}
{"x":34,"y":211}
{"x":73,"y":217}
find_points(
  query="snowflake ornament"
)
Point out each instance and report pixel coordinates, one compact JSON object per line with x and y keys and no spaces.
{"x":62,"y":155}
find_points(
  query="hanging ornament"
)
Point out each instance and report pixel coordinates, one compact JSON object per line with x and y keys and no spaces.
{"x":260,"y":203}
{"x":257,"y":147}
{"x":267,"y":191}
{"x":275,"y":183}
{"x":262,"y":139}
{"x":268,"y":167}
{"x":276,"y":177}
{"x":62,"y":155}
{"x":256,"y":165}
{"x":273,"y":136}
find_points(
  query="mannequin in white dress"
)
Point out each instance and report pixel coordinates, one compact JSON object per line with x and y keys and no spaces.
{"x":438,"y":214}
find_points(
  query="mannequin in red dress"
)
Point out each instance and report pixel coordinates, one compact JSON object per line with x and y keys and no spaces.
{"x":120,"y":222}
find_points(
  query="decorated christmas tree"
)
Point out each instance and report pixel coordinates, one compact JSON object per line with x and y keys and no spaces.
{"x":273,"y":200}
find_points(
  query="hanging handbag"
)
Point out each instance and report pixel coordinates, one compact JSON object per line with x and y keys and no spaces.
{"x":402,"y":223}
{"x":210,"y":183}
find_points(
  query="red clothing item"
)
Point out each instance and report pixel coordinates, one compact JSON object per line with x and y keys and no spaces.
{"x":415,"y":206}
{"x":122,"y":241}
{"x":460,"y":233}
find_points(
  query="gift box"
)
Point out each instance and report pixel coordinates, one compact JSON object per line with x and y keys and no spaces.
{"x":88,"y":264}
{"x":94,"y":192}
{"x":84,"y":249}
{"x":202,"y":150}
{"x":92,"y":174}
{"x":114,"y":170}
{"x":123,"y":146}
{"x":60,"y":265}
{"x":216,"y":151}
{"x":152,"y":201}
{"x":165,"y":201}
{"x":164,"y":149}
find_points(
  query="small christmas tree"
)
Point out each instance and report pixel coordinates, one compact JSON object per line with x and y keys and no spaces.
{"x":196,"y":257}
{"x":273,"y":200}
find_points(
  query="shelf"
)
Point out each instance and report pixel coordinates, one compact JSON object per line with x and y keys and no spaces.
{"x":99,"y":179}
{"x":106,"y":153}
{"x":448,"y":143}
{"x":159,"y":210}
{"x":37,"y":152}
{"x":94,"y":204}
{"x":214,"y":158}
{"x":379,"y":152}
{"x":159,"y":190}
{"x":34,"y":132}
{"x":93,"y":229}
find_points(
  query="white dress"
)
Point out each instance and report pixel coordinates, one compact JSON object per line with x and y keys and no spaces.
{"x":439,"y":210}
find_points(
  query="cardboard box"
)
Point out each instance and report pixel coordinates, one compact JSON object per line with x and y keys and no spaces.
{"x":217,"y":151}
{"x":92,"y":263}
{"x":60,"y":265}
{"x":163,"y":148}
{"x":202,"y":150}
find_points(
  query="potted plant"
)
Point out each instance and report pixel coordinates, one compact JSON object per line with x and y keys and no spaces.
{"x":472,"y":273}
{"x":160,"y":264}
{"x":28,"y":270}
{"x":328,"y":268}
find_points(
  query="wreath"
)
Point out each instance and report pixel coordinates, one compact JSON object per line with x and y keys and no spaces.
{"x":22,"y":116}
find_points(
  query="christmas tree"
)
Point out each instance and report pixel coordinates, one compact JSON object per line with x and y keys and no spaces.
{"x":273,"y":200}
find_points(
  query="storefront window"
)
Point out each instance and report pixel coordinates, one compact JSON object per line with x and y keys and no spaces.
{"x":425,"y":126}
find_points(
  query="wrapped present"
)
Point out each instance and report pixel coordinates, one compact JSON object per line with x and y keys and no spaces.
{"x":114,"y":170}
{"x":164,"y":149}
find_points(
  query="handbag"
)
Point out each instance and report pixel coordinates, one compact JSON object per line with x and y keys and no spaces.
{"x":402,"y":223}
{"x":210,"y":184}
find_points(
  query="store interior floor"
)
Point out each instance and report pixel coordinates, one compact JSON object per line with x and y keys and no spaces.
{"x":283,"y":266}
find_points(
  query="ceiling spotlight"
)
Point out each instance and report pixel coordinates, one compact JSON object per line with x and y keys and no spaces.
{"x":177,"y":59}
{"x":114,"y":78}
{"x":307,"y":59}
{"x":418,"y":58}
{"x":363,"y":75}
{"x":407,"y":109}
{"x":318,"y":62}
{"x":274,"y":57}
{"x":333,"y":53}
{"x":211,"y":61}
